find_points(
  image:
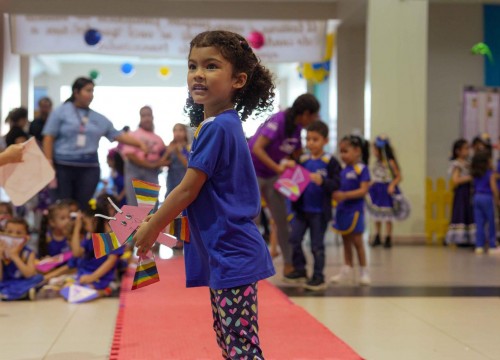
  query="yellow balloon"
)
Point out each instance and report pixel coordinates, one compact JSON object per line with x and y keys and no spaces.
{"x":164,"y":71}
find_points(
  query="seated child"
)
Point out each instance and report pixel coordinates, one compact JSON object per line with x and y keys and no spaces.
{"x":18,"y":277}
{"x":96,"y":273}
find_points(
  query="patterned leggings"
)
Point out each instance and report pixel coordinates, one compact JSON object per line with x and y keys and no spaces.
{"x":235,"y":322}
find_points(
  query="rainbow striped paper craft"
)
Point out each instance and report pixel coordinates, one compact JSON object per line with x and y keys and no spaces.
{"x":146,"y":273}
{"x":180,"y":228}
{"x":146,"y":192}
{"x":104,"y":243}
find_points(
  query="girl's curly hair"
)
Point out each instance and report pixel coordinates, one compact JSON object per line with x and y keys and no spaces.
{"x":258,"y":93}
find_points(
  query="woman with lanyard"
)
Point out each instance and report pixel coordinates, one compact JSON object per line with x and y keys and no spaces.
{"x":273,"y":147}
{"x":71,"y":139}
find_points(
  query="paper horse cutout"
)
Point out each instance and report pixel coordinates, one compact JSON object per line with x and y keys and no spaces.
{"x":125,"y":224}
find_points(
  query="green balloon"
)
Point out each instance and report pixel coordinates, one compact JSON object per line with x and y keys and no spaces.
{"x":94,"y":74}
{"x":482,"y":49}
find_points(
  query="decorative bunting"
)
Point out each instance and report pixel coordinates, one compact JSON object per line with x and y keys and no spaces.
{"x":104,"y":243}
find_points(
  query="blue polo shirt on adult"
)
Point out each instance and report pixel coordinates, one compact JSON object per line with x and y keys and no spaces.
{"x":226,"y":248}
{"x":65,"y":124}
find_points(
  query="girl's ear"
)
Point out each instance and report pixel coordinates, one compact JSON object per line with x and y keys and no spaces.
{"x":240,"y":80}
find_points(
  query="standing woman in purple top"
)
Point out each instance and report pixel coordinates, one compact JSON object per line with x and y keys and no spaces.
{"x":274,"y":147}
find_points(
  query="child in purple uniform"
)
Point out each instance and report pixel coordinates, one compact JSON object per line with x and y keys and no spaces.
{"x":226,"y":251}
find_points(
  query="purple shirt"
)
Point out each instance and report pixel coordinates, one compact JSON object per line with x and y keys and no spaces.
{"x":279,"y":147}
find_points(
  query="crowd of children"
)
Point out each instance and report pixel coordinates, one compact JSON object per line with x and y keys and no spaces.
{"x":475,"y":195}
{"x":64,"y":234}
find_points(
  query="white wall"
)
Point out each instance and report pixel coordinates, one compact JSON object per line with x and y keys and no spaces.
{"x":453,"y":30}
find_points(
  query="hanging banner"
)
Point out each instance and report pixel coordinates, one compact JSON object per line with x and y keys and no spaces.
{"x":278,"y":41}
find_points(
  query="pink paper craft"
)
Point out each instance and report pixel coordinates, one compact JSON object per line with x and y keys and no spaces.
{"x":293,"y":182}
{"x":128,"y":221}
{"x":45,"y":265}
{"x":167,"y":240}
{"x":24,"y":180}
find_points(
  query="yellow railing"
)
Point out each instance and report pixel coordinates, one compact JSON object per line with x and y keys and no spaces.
{"x":438,"y":203}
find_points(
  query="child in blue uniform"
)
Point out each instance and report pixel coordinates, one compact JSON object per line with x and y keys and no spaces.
{"x":96,"y":273}
{"x":349,"y":217}
{"x":18,"y":277}
{"x":227,"y":252}
{"x":54,"y":231}
{"x":313,"y":209}
{"x":485,"y":198}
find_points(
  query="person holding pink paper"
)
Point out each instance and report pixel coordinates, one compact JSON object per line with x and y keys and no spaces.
{"x":313,"y":210}
{"x":274,"y":147}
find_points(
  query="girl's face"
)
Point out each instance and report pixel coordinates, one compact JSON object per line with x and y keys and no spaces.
{"x":463,"y":152}
{"x":349,"y":154}
{"x":211,"y":81}
{"x":84,"y":97}
{"x":61,"y":220}
{"x":180,"y":134}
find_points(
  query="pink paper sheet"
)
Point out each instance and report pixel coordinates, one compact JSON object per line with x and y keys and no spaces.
{"x":24,"y":180}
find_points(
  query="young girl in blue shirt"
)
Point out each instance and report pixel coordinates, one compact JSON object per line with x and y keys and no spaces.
{"x":349,"y":217}
{"x":226,"y":251}
{"x":485,"y":198}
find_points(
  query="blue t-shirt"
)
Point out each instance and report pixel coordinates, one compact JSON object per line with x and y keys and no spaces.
{"x":66,"y":123}
{"x":226,"y":248}
{"x":482,"y":184}
{"x":351,"y":178}
{"x":10,"y":269}
{"x":312,"y":197}
{"x":56,"y":247}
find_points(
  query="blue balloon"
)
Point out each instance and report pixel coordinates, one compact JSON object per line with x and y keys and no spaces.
{"x":92,"y":37}
{"x":127,"y":68}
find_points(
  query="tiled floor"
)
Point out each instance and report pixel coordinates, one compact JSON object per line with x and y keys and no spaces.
{"x":382,"y":322}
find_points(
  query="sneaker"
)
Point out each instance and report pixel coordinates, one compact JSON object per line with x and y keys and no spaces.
{"x":345,"y":275}
{"x":479,"y":251}
{"x":32,"y":294}
{"x":315,"y":284}
{"x":364,"y":279}
{"x":295,"y":276}
{"x":376,"y":241}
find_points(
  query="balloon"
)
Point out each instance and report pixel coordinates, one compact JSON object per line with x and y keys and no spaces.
{"x":94,"y":74}
{"x":92,"y":37}
{"x":482,"y":49}
{"x":164,"y":71}
{"x":127,"y":69}
{"x":256,"y":39}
